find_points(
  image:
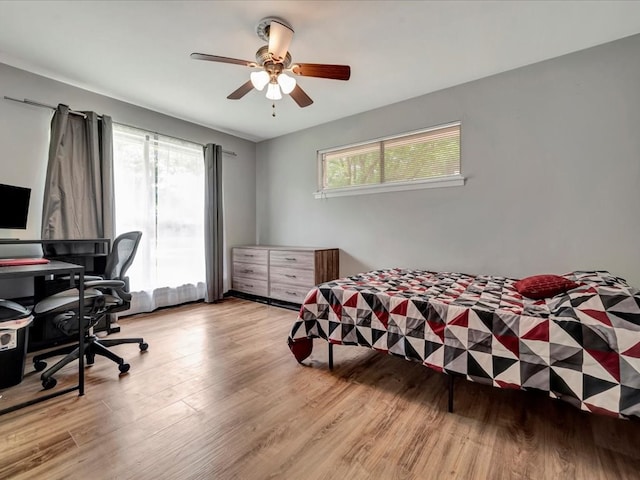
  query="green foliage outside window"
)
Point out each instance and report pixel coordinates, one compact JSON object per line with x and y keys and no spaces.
{"x":431,"y":154}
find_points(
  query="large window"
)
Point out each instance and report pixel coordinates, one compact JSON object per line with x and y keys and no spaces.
{"x":415,"y":160}
{"x":159,"y":189}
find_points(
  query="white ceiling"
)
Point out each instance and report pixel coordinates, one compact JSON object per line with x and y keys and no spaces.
{"x":138,"y":51}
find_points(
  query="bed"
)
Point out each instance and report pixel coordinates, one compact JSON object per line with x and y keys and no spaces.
{"x":581,"y":345}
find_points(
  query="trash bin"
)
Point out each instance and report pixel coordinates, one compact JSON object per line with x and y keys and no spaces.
{"x":14,"y":320}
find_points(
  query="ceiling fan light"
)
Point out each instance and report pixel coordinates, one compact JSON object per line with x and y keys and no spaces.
{"x":287,"y":83}
{"x":260,"y":79}
{"x":273,"y":92}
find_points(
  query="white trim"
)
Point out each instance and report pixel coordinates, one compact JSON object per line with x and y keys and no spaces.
{"x":448,"y":181}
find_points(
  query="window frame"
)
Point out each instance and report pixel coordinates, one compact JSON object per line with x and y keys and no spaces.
{"x":434,"y":182}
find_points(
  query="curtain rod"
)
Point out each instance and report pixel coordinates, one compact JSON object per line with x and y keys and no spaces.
{"x":74,"y":112}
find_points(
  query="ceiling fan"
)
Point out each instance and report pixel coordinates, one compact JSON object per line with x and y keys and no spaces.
{"x":274,"y":62}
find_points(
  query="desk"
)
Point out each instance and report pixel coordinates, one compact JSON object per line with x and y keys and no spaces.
{"x":40,"y":270}
{"x":92,"y":253}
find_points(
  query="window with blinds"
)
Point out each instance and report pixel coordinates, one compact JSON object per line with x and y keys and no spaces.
{"x":415,"y":160}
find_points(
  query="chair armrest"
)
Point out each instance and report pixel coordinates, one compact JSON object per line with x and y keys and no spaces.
{"x":104,"y":284}
{"x":118,"y":286}
{"x":90,"y":277}
{"x":76,"y":277}
{"x":124,"y":295}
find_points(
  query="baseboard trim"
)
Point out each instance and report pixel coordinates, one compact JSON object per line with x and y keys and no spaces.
{"x":260,"y":299}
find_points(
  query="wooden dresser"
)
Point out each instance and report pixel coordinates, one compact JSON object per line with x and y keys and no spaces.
{"x":282,"y":273}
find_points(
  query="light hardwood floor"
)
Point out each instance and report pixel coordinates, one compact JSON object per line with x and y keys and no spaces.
{"x":219,"y":396}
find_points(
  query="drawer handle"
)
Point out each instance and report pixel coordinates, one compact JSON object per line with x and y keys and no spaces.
{"x":289,"y":275}
{"x":290,"y":259}
{"x":248,"y":255}
{"x":291,"y":293}
{"x":247,"y":270}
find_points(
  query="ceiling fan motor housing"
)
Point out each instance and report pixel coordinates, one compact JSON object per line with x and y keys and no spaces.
{"x":263,"y":57}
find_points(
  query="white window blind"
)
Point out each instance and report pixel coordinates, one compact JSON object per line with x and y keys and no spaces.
{"x":430,"y":155}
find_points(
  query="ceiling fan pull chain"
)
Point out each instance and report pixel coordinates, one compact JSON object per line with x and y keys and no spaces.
{"x":273,"y":105}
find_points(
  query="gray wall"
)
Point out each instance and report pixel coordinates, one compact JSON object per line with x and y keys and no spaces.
{"x":551,"y":153}
{"x":24,"y":141}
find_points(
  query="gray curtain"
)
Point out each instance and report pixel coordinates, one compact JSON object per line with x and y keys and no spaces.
{"x":213,"y":251}
{"x":78,"y":197}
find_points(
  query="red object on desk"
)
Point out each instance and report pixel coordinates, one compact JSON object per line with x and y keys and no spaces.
{"x":13,"y":262}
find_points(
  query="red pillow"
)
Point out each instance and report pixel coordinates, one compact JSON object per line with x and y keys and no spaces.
{"x":543,"y":286}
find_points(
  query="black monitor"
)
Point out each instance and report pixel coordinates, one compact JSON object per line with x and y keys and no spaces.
{"x":14,"y":206}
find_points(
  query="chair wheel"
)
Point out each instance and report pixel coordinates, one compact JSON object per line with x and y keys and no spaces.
{"x":49,"y":383}
{"x":40,"y":365}
{"x":91,"y":359}
{"x":124,"y":367}
{"x":143,"y":346}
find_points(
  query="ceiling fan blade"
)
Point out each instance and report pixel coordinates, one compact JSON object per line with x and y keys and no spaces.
{"x":216,"y":58}
{"x":334,"y":72}
{"x":280,"y":36}
{"x":242,"y":91}
{"x":300,"y":97}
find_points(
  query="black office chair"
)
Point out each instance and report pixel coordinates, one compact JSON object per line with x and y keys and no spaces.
{"x":102,"y":296}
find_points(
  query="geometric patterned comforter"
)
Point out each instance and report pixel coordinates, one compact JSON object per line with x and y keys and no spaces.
{"x":582,"y":346}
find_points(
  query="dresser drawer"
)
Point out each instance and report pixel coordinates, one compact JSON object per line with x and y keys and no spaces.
{"x":292,"y":259}
{"x":253,"y":287}
{"x":288,"y":293}
{"x":251,"y":255}
{"x":292,"y":276}
{"x":250,"y":270}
